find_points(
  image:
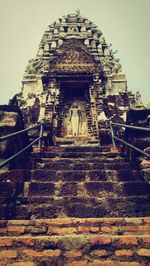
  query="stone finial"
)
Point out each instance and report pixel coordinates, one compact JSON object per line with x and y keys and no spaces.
{"x":77,"y":12}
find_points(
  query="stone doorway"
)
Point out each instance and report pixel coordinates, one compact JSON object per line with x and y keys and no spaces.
{"x":74,"y":122}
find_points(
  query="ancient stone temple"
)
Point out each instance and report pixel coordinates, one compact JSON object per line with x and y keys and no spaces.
{"x":75,"y":83}
{"x":75,"y":200}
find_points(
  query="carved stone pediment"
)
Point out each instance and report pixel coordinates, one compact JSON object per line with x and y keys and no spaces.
{"x":73,"y":57}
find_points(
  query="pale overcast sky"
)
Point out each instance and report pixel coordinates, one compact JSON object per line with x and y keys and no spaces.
{"x":124,"y":23}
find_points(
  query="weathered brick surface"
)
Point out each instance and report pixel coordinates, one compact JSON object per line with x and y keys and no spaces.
{"x":69,"y":188}
{"x":146,"y":239}
{"x":78,"y":263}
{"x":130,"y":264}
{"x":73,"y":254}
{"x":88,"y":229}
{"x":147,"y":220}
{"x":130,"y":228}
{"x":106,"y":229}
{"x":144,"y":228}
{"x":27,"y":241}
{"x":27,"y":263}
{"x":61,"y":231}
{"x":123,"y":252}
{"x":3,"y":231}
{"x":133,"y":241}
{"x":76,"y":241}
{"x":6,"y":242}
{"x":103,"y":263}
{"x":144,"y":252}
{"x":135,"y":221}
{"x":12,"y":229}
{"x":8,"y":254}
{"x":35,"y":230}
{"x":99,"y":253}
{"x":18,"y":222}
{"x":101,"y":240}
{"x":44,"y":253}
{"x":42,"y":189}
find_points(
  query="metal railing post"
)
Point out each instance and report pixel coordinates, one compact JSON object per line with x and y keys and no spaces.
{"x":41,"y":135}
{"x":112,"y":134}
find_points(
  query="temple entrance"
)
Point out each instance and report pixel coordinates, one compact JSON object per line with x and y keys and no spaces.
{"x":74,"y":122}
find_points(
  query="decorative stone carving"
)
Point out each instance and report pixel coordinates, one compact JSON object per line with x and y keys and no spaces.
{"x":46,"y":47}
{"x":33,"y":65}
{"x":74,"y":58}
{"x":102,"y":39}
{"x":86,"y":42}
{"x":72,"y":29}
{"x":40,"y":52}
{"x":106,"y":52}
{"x":60,"y":42}
{"x":112,"y":64}
{"x":83,"y":29}
{"x":55,"y":31}
{"x":99,"y":47}
{"x":89,"y":32}
{"x":117,"y":68}
{"x":93,"y":44}
{"x":53,"y":45}
{"x":61,"y":29}
{"x":95,"y":36}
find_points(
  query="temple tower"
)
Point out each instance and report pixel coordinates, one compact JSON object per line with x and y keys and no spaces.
{"x":75,"y":83}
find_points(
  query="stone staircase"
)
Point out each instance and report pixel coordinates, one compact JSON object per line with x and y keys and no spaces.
{"x":86,"y":181}
{"x":55,"y":213}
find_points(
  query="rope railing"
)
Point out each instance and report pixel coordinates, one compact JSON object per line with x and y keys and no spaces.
{"x":4,"y":163}
{"x":112,"y":124}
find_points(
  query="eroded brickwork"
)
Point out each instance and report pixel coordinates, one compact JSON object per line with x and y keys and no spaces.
{"x":81,"y":242}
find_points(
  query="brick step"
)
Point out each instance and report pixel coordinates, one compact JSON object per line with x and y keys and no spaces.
{"x":85,"y":154}
{"x":77,"y":141}
{"x":83,"y":166}
{"x":80,"y":242}
{"x":53,"y":207}
{"x":73,"y":250}
{"x":78,"y":149}
{"x":60,"y":200}
{"x":11,"y":177}
{"x":79,"y":160}
{"x":89,"y":175}
{"x":89,"y":188}
{"x":65,"y":226}
{"x":84,"y":207}
{"x":77,"y":226}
